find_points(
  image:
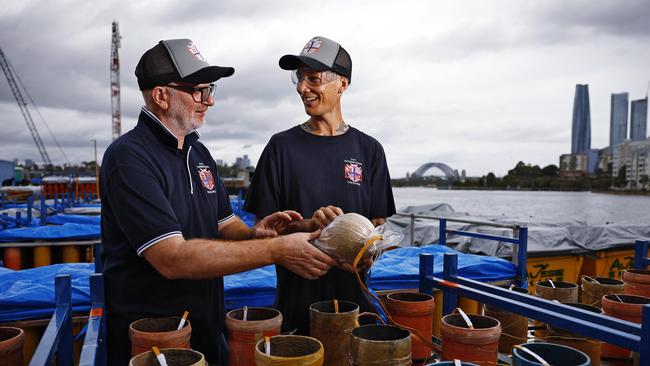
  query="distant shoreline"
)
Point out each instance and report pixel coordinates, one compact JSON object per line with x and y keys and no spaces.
{"x":625,"y":193}
{"x":620,"y":193}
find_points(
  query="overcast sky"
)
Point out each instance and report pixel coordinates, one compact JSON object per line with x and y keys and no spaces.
{"x":478,"y":85}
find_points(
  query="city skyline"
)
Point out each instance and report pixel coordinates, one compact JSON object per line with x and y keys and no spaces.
{"x":581,"y":121}
{"x":459,"y":83}
{"x":618,"y":118}
{"x":639,"y":120}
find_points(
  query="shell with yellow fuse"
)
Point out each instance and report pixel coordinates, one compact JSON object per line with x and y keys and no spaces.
{"x":345,"y":236}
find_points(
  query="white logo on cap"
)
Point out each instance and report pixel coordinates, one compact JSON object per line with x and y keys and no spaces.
{"x":195,"y":51}
{"x":312,"y":46}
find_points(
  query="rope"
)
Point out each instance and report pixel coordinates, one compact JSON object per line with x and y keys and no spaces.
{"x":519,"y":339}
{"x":602,"y":292}
{"x":570,"y":339}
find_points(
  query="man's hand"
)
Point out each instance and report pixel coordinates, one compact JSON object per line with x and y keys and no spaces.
{"x":295,"y":253}
{"x":274,"y":224}
{"x":324,"y":215}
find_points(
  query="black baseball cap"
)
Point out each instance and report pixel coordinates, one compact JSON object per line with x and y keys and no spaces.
{"x":320,"y":53}
{"x":176,"y":60}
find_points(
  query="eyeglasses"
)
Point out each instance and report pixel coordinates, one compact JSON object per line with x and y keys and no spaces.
{"x":202,"y":94}
{"x":313,"y":78}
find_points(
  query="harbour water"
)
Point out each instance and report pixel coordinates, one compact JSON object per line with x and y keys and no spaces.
{"x":593,"y":208}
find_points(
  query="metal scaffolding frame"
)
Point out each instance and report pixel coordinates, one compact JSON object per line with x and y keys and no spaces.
{"x":635,"y":337}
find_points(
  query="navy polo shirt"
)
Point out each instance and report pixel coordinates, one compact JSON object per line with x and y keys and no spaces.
{"x":303,"y":172}
{"x":150,"y":191}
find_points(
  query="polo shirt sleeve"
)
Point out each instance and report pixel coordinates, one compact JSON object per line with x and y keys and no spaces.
{"x":263,"y":196}
{"x":382,"y":203}
{"x":135,"y":193}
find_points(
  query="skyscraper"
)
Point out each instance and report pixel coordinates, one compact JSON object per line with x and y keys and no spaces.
{"x":581,"y":129}
{"x":639,"y":122}
{"x":618,"y":119}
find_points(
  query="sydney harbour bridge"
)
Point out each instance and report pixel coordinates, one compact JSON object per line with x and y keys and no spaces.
{"x":450,"y":174}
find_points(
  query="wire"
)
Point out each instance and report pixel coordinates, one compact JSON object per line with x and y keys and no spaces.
{"x":38,"y":111}
{"x":415,"y":332}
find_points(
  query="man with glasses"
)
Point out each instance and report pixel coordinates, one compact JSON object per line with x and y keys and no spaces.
{"x":320,"y":168}
{"x":168,"y":232}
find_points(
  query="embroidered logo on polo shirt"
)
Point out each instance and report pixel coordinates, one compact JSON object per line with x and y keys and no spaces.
{"x":353,"y":171}
{"x":206,"y":177}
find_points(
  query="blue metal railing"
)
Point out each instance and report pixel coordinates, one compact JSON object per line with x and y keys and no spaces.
{"x":605,"y":328}
{"x":641,"y":260}
{"x":18,"y":220}
{"x":59,"y":203}
{"x":519,"y":239}
{"x":97,"y":253}
{"x":93,"y":352}
{"x":57,"y":338}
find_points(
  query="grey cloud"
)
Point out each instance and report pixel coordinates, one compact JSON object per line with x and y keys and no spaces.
{"x":612,"y":17}
{"x":521,"y":25}
{"x":199,"y":10}
{"x":442,"y":82}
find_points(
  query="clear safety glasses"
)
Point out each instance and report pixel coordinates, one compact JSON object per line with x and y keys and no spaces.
{"x":313,"y":78}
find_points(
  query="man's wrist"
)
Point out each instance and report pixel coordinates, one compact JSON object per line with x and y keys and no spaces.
{"x":309,"y":225}
{"x":272,"y":246}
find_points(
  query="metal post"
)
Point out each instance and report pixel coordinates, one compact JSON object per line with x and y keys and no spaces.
{"x":19,"y":216}
{"x":102,"y":358}
{"x":644,"y":352}
{"x":640,"y":254}
{"x":450,"y":271}
{"x":30,"y":205}
{"x":522,"y":258}
{"x":442,"y":233}
{"x":97,"y":252}
{"x":93,"y":352}
{"x":64,"y":350}
{"x":43,"y":217}
{"x":59,"y":330}
{"x":97,"y":168}
{"x":426,"y":269}
{"x":412,"y":229}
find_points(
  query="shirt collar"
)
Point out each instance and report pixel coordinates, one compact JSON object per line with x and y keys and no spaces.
{"x":162,"y":132}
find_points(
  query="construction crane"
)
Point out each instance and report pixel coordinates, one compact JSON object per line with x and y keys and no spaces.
{"x":115,"y":83}
{"x":6,"y":68}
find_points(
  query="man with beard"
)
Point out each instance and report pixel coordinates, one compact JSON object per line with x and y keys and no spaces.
{"x":320,"y":168}
{"x":168,"y":232}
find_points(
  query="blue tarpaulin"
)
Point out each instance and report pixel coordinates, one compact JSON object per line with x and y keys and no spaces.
{"x":250,"y":288}
{"x":399,"y":268}
{"x":29,"y":293}
{"x":69,"y":231}
{"x":60,"y":219}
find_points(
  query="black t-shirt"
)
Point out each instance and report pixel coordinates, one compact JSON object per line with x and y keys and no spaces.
{"x":303,"y":172}
{"x":150,"y":191}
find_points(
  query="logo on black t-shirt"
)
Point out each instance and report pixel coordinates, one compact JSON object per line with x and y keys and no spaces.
{"x":353,"y":172}
{"x":206,"y":177}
